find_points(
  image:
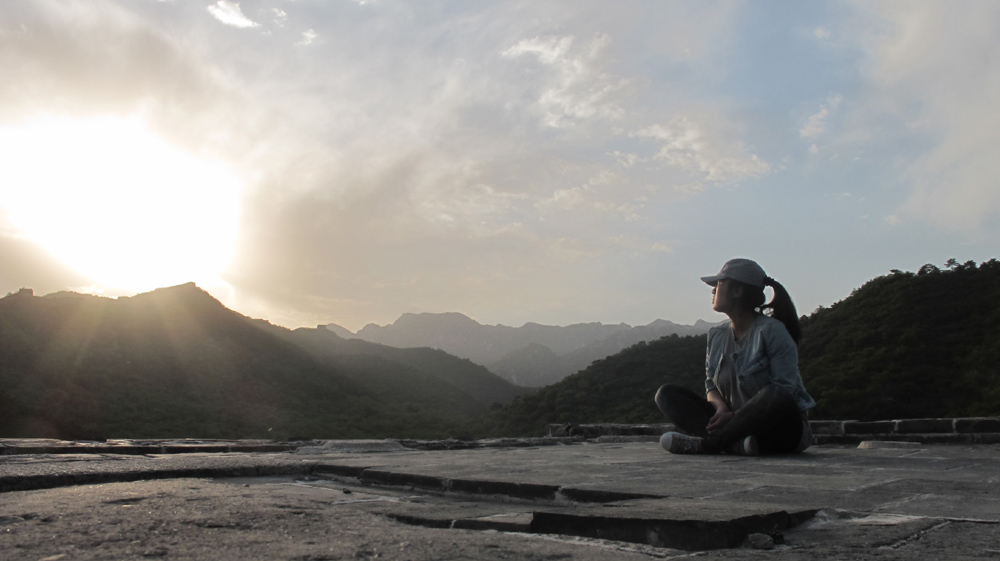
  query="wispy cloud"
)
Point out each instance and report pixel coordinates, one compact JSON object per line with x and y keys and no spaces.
{"x":934,"y":70}
{"x":280,"y":17}
{"x":816,"y":124}
{"x":229,"y":13}
{"x":308,"y":36}
{"x":578,"y":88}
{"x":688,"y":145}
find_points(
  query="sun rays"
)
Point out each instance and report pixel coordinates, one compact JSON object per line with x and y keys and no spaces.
{"x":117,"y":203}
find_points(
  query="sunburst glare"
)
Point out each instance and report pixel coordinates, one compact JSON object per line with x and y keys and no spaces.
{"x":118,"y":203}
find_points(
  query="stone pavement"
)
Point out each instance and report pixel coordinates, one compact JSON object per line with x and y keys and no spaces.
{"x":517,"y":499}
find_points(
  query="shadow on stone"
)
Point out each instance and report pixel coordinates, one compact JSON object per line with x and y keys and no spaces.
{"x":687,"y":535}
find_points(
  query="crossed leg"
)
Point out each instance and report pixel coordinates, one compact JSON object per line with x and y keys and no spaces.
{"x":772,"y":416}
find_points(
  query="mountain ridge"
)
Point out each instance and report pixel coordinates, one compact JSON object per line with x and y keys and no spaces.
{"x":175,"y":362}
{"x":512,"y":352}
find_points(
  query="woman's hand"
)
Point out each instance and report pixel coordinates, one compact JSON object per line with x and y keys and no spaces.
{"x":719,"y":420}
{"x":722,"y":413}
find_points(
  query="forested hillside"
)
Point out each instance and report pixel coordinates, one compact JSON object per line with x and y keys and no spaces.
{"x":176,"y":363}
{"x":405,"y":373}
{"x":904,"y":345}
{"x":617,"y":389}
{"x":907,"y":345}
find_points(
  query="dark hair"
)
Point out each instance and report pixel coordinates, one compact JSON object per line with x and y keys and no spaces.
{"x":783,"y":309}
{"x":781,"y":306}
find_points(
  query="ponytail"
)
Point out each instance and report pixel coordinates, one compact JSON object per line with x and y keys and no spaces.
{"x":783,"y":309}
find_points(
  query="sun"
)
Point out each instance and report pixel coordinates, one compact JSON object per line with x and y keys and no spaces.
{"x":118,"y":203}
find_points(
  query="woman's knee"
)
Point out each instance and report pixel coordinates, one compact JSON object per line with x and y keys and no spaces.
{"x":777,"y":400}
{"x":774,"y":392}
{"x":665,"y":392}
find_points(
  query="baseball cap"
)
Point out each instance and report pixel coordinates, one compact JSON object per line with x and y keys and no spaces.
{"x":742,"y":270}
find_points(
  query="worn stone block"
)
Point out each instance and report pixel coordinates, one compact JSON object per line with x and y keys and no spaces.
{"x":986,"y":438}
{"x":827,"y":427}
{"x":978,"y":424}
{"x":873,"y":427}
{"x":619,"y":439}
{"x":909,"y":426}
{"x":821,"y":439}
{"x":887,"y":444}
{"x":923,"y":438}
{"x":942,"y":438}
{"x":560,"y":429}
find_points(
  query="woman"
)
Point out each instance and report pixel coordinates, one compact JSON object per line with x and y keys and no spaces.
{"x":756,"y":402}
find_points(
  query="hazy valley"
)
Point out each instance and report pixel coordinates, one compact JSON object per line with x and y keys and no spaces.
{"x":532,"y":355}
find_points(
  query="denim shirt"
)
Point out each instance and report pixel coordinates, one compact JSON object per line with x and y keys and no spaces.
{"x":770,"y":357}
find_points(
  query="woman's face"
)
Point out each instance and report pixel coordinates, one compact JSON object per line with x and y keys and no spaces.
{"x":723,"y":300}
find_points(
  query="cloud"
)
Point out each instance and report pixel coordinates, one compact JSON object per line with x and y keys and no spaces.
{"x":626,"y":160}
{"x":280,"y":17}
{"x":87,"y":60}
{"x":308,"y":36}
{"x":817,"y":122}
{"x":229,"y":13}
{"x":509,"y":161}
{"x":934,"y":72}
{"x":690,"y":146}
{"x":455,"y":175}
{"x":578,"y":87}
{"x":690,"y":188}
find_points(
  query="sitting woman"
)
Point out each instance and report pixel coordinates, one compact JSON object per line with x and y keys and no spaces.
{"x":756,"y":403}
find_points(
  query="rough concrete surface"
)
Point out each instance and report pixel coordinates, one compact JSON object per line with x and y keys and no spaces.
{"x":582,"y":500}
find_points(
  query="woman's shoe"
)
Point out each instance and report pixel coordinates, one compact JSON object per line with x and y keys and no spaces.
{"x":744,"y":447}
{"x":677,"y":443}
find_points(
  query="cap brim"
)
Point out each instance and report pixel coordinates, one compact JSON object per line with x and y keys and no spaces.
{"x":713,"y":280}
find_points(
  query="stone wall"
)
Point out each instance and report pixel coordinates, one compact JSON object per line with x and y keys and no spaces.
{"x":968,"y":430}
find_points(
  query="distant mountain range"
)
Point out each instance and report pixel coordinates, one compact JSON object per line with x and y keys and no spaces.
{"x":532,"y":355}
{"x":176,"y":363}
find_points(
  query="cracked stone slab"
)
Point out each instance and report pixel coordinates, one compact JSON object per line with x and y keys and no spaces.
{"x":351,"y":446}
{"x":467,"y":503}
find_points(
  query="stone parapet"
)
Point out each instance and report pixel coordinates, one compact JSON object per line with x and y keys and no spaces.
{"x":925,"y":438}
{"x":964,"y":430}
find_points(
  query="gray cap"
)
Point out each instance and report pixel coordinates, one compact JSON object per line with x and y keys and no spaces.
{"x":743,"y":270}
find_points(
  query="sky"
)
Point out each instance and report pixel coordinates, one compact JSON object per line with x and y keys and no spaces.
{"x":348,"y":161}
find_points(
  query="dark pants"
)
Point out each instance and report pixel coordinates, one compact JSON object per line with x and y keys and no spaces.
{"x":772,"y":416}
